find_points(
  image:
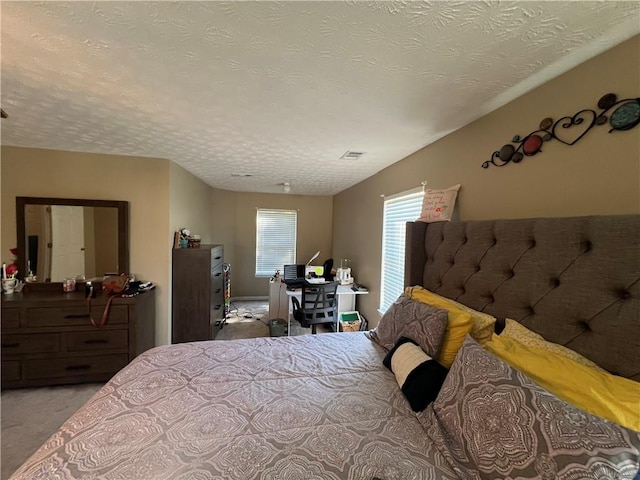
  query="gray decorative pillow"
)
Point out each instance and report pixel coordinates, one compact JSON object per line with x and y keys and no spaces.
{"x":491,"y":421}
{"x":422,"y":323}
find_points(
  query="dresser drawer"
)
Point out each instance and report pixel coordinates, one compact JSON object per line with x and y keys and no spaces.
{"x":10,"y":371}
{"x":69,"y":316}
{"x":217,"y":282}
{"x":10,"y":317}
{"x":216,"y":255}
{"x":30,"y":343}
{"x":97,"y":340}
{"x":70,"y":367}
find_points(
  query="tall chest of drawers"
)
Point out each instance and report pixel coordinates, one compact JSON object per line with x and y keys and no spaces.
{"x":197,"y":293}
{"x":48,"y":338}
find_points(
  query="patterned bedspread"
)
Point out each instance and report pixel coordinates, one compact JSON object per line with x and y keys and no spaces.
{"x":313,"y":406}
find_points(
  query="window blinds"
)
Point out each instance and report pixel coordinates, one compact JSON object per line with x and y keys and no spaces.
{"x":275,"y":240}
{"x":398,"y":210}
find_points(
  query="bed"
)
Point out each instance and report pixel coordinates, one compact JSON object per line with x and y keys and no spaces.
{"x":324,"y":406}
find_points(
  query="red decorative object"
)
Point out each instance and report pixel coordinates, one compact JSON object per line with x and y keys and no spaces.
{"x":532,"y":145}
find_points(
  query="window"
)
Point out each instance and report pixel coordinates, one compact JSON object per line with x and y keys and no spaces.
{"x":275,"y":240}
{"x":398,"y":209}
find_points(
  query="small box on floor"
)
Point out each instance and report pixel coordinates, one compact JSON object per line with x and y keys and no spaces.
{"x":277,"y":327}
{"x":350,"y":321}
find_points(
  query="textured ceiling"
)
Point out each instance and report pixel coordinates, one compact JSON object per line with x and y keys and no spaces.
{"x":280,"y":90}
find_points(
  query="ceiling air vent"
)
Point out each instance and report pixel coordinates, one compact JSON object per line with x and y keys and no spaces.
{"x":244,"y":175}
{"x":349,"y":155}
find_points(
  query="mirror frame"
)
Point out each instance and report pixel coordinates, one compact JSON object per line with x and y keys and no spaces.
{"x":123,"y":226}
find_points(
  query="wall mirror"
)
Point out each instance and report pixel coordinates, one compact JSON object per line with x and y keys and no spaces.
{"x":67,"y":237}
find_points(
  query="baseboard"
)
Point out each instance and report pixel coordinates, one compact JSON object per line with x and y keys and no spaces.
{"x":249,"y":298}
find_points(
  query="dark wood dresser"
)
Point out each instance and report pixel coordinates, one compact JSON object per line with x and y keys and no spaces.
{"x":48,"y":338}
{"x":197,"y":293}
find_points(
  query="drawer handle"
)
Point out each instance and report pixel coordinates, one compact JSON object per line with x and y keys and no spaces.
{"x":217,"y":307}
{"x":218,"y":322}
{"x":10,"y":345}
{"x":92,"y":341}
{"x":78,"y":367}
{"x":218,"y":274}
{"x":217,"y":258}
{"x":77,"y":315}
{"x":218,"y":290}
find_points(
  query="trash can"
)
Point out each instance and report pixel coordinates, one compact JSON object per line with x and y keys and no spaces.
{"x":277,"y":327}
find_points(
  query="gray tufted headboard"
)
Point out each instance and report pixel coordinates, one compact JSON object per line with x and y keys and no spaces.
{"x":575,"y":281}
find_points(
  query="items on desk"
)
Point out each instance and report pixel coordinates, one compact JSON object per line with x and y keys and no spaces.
{"x":343,"y":274}
{"x":359,"y":288}
{"x":315,"y":280}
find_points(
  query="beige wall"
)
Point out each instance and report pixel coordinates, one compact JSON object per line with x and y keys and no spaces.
{"x":189,"y":203}
{"x":234,"y":225}
{"x":143,"y":182}
{"x":598,"y":175}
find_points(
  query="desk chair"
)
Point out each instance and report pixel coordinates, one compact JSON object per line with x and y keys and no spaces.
{"x":319,"y":304}
{"x":326,"y":270}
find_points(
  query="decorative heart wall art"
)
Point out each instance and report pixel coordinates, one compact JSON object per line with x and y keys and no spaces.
{"x":569,"y":129}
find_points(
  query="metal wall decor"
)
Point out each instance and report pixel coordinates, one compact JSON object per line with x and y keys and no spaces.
{"x":569,"y":130}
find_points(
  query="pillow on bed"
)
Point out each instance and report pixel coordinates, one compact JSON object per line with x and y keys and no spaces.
{"x":609,"y":396}
{"x":523,"y":335}
{"x":483,"y":323}
{"x":459,"y":323}
{"x":438,"y":204}
{"x":490,"y":421}
{"x":406,"y":318}
{"x":418,"y":375}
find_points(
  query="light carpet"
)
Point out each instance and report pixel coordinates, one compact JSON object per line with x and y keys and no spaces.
{"x":31,"y":415}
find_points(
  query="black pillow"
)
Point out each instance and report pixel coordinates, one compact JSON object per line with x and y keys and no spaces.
{"x":418,"y":375}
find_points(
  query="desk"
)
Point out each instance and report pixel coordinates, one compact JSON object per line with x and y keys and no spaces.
{"x":281,"y":305}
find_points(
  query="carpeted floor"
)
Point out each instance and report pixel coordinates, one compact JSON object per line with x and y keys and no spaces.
{"x":250,"y":319}
{"x":31,"y":415}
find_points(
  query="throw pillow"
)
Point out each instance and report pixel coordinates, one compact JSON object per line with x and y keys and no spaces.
{"x":459,"y":323}
{"x":523,"y":335}
{"x":437,"y":205}
{"x":601,"y":393}
{"x":490,"y":421}
{"x":418,"y":375}
{"x":406,"y":318}
{"x":483,"y":323}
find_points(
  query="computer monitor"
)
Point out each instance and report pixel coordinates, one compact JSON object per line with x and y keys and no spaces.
{"x":294,"y":273}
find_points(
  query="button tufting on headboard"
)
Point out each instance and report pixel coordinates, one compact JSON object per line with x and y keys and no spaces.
{"x":550,"y":273}
{"x":625,"y":295}
{"x":584,"y":325}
